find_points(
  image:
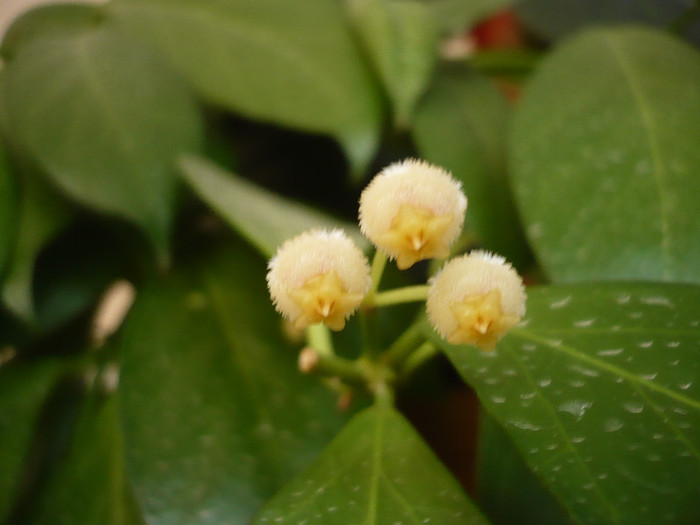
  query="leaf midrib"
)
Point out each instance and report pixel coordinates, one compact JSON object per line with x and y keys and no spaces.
{"x":607,"y":367}
{"x":649,"y":125}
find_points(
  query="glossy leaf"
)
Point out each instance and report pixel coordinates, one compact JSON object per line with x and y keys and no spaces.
{"x":42,"y":215}
{"x":378,"y":471}
{"x":598,"y":388}
{"x":461,"y":125}
{"x":261,"y":216}
{"x":457,"y":15}
{"x":23,"y":390}
{"x":84,"y":125}
{"x":401,"y":40}
{"x":508,"y":491}
{"x":89,"y":484}
{"x":7,"y":210}
{"x":290,"y":63}
{"x":605,"y":148}
{"x":216,"y":416}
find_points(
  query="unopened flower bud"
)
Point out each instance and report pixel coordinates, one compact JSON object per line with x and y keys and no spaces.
{"x":476,"y":299}
{"x":412,"y":211}
{"x":319,"y":276}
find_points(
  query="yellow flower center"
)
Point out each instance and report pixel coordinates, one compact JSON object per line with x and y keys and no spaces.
{"x":416,"y":234}
{"x":324,"y":299}
{"x":481,"y":320}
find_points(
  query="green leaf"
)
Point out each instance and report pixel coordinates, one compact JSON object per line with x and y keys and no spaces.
{"x":261,"y":216}
{"x":216,"y":415}
{"x":42,"y":215}
{"x":290,"y":63}
{"x":89,"y":484}
{"x":509,"y":492}
{"x":461,"y":125}
{"x":84,"y":125}
{"x":7,"y":209}
{"x":23,"y":390}
{"x":558,"y":19}
{"x":48,"y":20}
{"x":457,"y":15}
{"x":605,"y":149}
{"x":598,"y":388}
{"x":378,"y":471}
{"x":401,"y":40}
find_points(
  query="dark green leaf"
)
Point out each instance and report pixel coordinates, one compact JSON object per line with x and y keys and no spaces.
{"x":401,"y":40}
{"x":23,"y":390}
{"x":457,"y":15}
{"x":563,"y":17}
{"x":461,"y":125}
{"x":509,"y":492}
{"x":264,"y":218}
{"x":7,"y":210}
{"x":291,"y":63}
{"x":42,"y":215}
{"x":605,"y":149}
{"x":104,"y":118}
{"x":89,"y":484}
{"x":216,"y":415}
{"x":598,"y":388}
{"x":378,"y":471}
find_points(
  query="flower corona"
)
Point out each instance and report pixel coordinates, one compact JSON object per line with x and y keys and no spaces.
{"x":475,"y":299}
{"x":319,"y":276}
{"x":412,"y":211}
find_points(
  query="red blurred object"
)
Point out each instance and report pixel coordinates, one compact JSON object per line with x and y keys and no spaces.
{"x":500,"y":31}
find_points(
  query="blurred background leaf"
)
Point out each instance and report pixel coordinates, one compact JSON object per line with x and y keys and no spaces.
{"x":105,"y":119}
{"x":265,"y":218}
{"x":216,"y":416}
{"x":606,"y":176}
{"x":292,"y":64}
{"x":401,"y":41}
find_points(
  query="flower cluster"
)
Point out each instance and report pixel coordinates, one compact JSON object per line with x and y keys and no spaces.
{"x":411,"y":211}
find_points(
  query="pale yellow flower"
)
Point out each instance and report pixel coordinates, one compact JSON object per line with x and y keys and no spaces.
{"x":412,"y":211}
{"x":476,"y":299}
{"x":319,"y":276}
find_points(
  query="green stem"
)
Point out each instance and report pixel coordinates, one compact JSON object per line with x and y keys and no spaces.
{"x":318,"y":337}
{"x":404,"y":345}
{"x":325,"y":365}
{"x":378,"y":265}
{"x":423,"y":353}
{"x":408,"y":294}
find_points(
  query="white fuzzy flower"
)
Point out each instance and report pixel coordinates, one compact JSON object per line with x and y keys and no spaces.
{"x":476,"y":299}
{"x":318,"y":276}
{"x":412,"y":211}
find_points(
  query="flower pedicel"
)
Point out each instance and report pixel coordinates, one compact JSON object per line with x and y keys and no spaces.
{"x":319,"y":276}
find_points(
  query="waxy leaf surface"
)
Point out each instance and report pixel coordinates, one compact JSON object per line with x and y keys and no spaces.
{"x":378,"y":471}
{"x":604,"y":154}
{"x":264,"y":218}
{"x":104,"y":118}
{"x":216,"y":415}
{"x":599,"y":389}
{"x":290,"y":63}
